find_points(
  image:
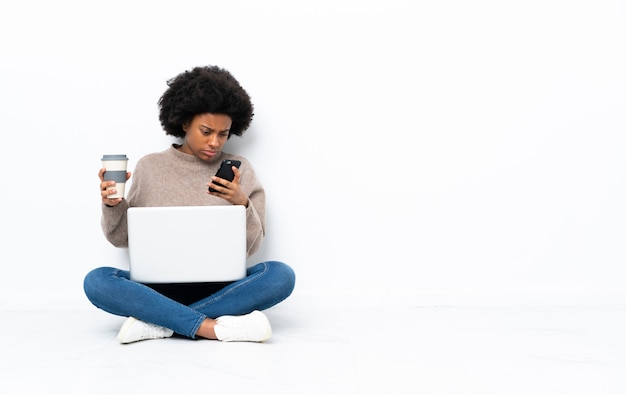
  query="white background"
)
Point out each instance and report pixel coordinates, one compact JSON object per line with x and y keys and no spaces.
{"x":439,"y":152}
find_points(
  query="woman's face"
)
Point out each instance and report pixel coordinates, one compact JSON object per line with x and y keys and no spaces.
{"x":205,"y":135}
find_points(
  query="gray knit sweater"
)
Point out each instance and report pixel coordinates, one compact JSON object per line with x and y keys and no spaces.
{"x":173,"y":178}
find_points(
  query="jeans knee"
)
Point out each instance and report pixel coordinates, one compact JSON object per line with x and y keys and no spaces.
{"x":284,"y":276}
{"x":93,"y":284}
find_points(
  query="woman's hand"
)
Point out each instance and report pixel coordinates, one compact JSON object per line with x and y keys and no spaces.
{"x":229,"y":190}
{"x":104,"y":193}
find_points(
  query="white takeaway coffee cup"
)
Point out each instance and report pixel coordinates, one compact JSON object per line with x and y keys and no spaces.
{"x":116,"y":166}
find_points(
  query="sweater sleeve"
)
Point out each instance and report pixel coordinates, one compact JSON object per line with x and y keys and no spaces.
{"x":255,"y":214}
{"x":114,"y":220}
{"x":114,"y":224}
{"x":255,"y":225}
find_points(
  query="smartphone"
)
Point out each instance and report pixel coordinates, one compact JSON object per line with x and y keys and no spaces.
{"x":226,"y":171}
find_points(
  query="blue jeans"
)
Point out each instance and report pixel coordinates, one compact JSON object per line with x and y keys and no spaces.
{"x":111,"y":290}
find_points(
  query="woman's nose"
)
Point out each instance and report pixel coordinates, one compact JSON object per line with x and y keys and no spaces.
{"x":212,"y":140}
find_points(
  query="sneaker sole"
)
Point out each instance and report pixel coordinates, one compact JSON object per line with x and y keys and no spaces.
{"x":268,"y":332}
{"x":121,"y":336}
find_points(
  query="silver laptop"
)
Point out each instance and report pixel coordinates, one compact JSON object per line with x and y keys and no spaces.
{"x":187,"y":244}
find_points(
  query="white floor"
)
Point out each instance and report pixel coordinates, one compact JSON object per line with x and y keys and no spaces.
{"x":329,"y":349}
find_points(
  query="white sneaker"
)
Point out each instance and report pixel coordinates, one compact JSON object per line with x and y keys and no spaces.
{"x":134,"y":330}
{"x":253,"y":327}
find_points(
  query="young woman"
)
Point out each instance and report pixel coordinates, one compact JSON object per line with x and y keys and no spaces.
{"x":203,"y":107}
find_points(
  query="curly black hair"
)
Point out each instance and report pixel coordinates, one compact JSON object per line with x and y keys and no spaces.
{"x":208,"y":89}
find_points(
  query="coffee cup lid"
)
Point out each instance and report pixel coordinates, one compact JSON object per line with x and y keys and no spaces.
{"x":115,"y":157}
